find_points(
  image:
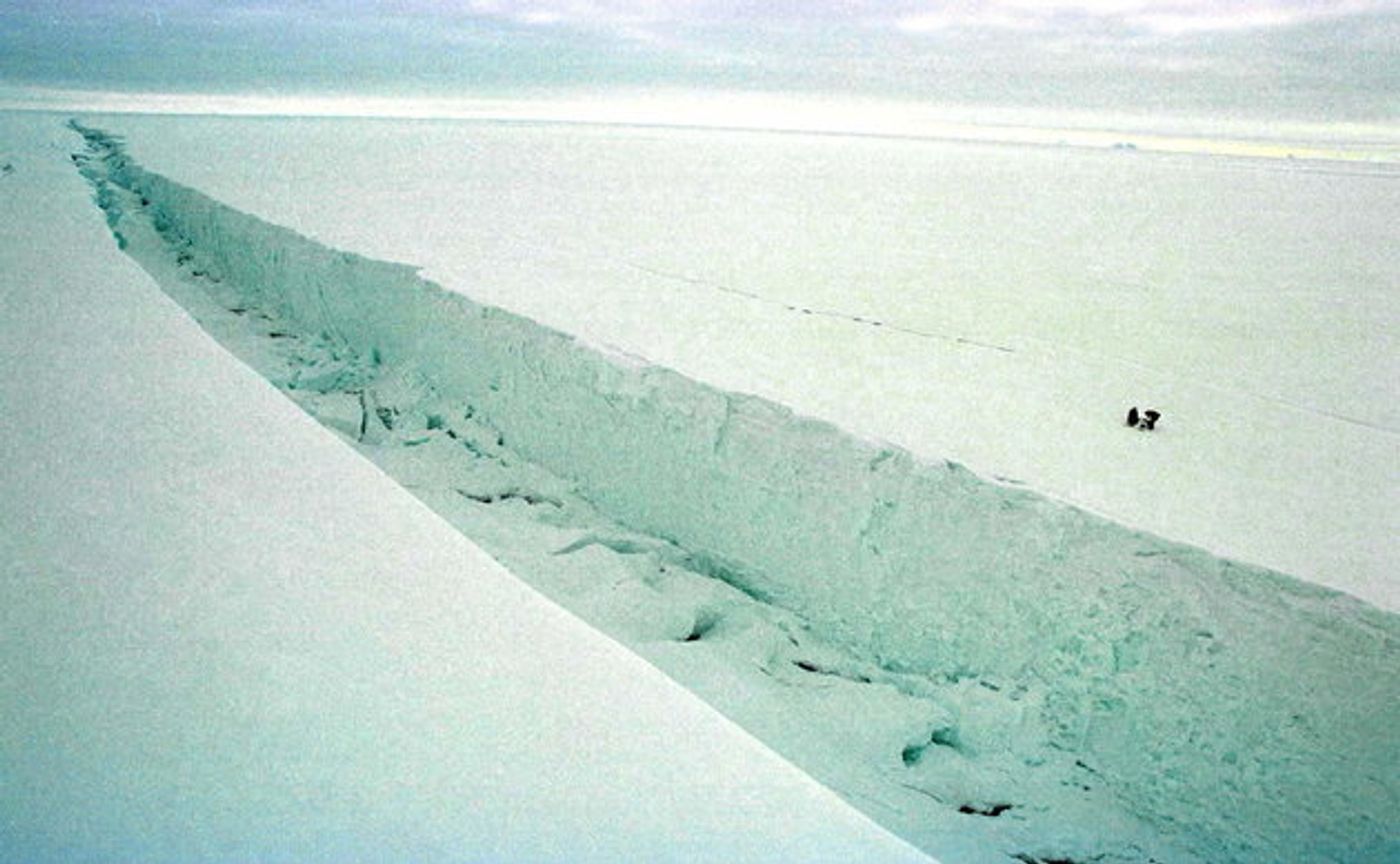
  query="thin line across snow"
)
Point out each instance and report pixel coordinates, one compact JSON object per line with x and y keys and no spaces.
{"x":812,"y":310}
{"x":962,"y":340}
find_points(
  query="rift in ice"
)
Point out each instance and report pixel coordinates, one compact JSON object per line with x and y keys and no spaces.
{"x":991,"y":674}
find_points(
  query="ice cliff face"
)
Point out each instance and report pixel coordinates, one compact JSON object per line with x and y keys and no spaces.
{"x":1244,"y":715}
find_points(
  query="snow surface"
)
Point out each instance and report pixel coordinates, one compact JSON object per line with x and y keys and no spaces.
{"x":998,"y":306}
{"x":1099,"y":693}
{"x":224,"y":637}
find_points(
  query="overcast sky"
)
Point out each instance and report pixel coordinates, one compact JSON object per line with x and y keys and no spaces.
{"x":1288,"y":59}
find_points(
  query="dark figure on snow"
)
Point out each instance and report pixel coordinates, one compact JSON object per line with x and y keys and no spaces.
{"x":1147,"y":420}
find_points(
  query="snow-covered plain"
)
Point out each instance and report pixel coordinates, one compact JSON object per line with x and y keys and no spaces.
{"x":1049,"y":685}
{"x":225,"y":637}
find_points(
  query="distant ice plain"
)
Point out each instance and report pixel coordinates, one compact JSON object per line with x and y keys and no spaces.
{"x":1025,"y":295}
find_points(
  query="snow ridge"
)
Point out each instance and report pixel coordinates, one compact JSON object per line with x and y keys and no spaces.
{"x":1066,"y":665}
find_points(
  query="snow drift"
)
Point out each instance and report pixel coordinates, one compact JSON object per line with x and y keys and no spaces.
{"x":1239,"y":707}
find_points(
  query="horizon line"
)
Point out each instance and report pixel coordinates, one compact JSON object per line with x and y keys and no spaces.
{"x":1370,"y":144}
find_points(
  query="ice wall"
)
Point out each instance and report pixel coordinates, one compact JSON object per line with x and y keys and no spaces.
{"x":1255,"y":709}
{"x":225,"y":637}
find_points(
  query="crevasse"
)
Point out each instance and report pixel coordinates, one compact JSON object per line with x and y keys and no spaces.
{"x":1247,"y":713}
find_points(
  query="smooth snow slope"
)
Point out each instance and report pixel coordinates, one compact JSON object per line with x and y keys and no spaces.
{"x":225,"y":637}
{"x":1048,"y":642}
{"x":1000,"y":306}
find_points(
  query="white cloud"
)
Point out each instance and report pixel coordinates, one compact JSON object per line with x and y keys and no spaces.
{"x":1173,"y":24}
{"x":1168,"y":17}
{"x":934,"y":22}
{"x":540,"y":17}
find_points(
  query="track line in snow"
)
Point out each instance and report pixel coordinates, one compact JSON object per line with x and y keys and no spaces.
{"x":837,"y":314}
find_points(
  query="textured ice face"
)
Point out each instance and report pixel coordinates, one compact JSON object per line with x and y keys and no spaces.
{"x":226,"y":637}
{"x":1183,"y":684}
